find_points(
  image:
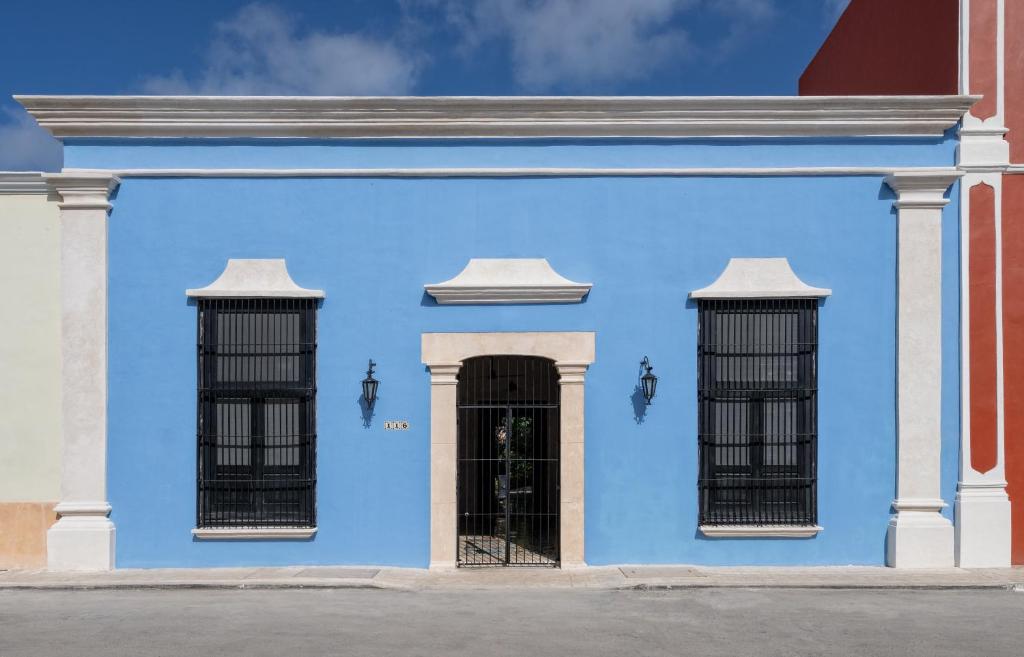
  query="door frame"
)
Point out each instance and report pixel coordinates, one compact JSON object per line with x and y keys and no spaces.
{"x":443,"y":354}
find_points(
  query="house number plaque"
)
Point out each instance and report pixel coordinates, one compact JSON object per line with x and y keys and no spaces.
{"x":396,"y":425}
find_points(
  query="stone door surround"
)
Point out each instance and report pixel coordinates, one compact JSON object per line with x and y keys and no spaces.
{"x":443,"y":354}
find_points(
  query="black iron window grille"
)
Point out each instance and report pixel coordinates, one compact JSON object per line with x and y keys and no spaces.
{"x":757,"y":422}
{"x":508,"y":462}
{"x":257,"y":413}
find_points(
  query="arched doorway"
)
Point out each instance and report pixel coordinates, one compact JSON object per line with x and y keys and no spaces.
{"x":508,"y":462}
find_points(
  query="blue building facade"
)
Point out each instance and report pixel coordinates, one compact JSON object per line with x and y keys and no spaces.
{"x":645,"y":217}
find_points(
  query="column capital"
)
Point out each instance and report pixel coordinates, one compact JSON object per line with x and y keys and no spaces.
{"x":983,"y":147}
{"x":444,"y":373}
{"x":86,"y":190}
{"x":571,"y":371}
{"x":922,"y":189}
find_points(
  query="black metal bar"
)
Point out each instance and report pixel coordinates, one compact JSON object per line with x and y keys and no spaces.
{"x":256,"y":459}
{"x":757,"y":415}
{"x":507,"y":462}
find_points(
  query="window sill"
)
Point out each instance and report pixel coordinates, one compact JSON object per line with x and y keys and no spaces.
{"x":267,"y":533}
{"x":753,"y":531}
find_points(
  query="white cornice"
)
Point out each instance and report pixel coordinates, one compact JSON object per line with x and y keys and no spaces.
{"x":758,"y":278}
{"x":86,"y":190}
{"x":507,"y":280}
{"x":498,"y":116}
{"x":22,"y":182}
{"x":261,"y":278}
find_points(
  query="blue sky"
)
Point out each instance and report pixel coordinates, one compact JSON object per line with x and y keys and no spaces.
{"x":382,"y":47}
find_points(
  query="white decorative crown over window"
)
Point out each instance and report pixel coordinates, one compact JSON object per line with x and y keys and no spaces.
{"x":758,"y":278}
{"x":255,"y":278}
{"x":508,"y":280}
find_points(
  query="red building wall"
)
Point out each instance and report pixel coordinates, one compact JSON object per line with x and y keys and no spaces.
{"x":1013,"y":76}
{"x":906,"y":47}
{"x":1013,"y":354}
{"x":982,"y":334}
{"x":1013,"y":271}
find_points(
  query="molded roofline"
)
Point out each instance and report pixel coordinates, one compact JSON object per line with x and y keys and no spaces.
{"x":496,"y":116}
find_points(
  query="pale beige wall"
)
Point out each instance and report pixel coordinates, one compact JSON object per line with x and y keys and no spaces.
{"x":30,"y":405}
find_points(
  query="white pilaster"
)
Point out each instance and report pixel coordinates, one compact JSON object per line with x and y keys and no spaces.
{"x":982,"y":505}
{"x":83,"y":536}
{"x":919,"y":536}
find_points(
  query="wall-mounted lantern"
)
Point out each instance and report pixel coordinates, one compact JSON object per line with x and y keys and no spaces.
{"x":648,"y":381}
{"x":370,"y":386}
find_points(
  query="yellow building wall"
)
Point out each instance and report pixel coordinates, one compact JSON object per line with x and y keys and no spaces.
{"x":30,"y":405}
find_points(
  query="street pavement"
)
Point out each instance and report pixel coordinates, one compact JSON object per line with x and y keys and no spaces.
{"x":521,"y":621}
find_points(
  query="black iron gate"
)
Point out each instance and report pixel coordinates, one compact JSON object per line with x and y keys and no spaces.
{"x":508,"y":462}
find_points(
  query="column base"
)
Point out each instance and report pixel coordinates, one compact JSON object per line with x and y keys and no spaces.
{"x":919,"y":536}
{"x":573,"y":565}
{"x":82,"y":539}
{"x":442,"y":565}
{"x":982,"y":526}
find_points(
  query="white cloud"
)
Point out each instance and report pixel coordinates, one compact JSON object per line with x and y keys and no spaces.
{"x":744,"y":17}
{"x":261,"y":51}
{"x":588,"y":43}
{"x":576,"y":42}
{"x":24,"y":146}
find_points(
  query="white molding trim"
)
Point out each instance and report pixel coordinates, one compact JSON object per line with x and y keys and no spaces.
{"x":507,"y":280}
{"x":255,"y":278}
{"x":443,"y":353}
{"x":758,"y":531}
{"x":504,"y":172}
{"x":22,"y":182}
{"x":1001,"y":60}
{"x":247,"y":533}
{"x":495,"y":116}
{"x":963,"y":67}
{"x":758,"y":278}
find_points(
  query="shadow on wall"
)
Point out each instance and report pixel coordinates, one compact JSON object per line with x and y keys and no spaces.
{"x":639,"y":404}
{"x":365,"y":410}
{"x":638,"y":400}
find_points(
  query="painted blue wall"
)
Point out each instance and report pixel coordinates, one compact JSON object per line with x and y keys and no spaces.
{"x":312,"y":154}
{"x":950,"y":466}
{"x":373,"y":243}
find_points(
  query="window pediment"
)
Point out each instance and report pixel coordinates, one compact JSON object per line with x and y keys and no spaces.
{"x":508,"y":280}
{"x":758,"y":278}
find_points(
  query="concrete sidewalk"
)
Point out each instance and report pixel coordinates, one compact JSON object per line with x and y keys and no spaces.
{"x":597,"y":577}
